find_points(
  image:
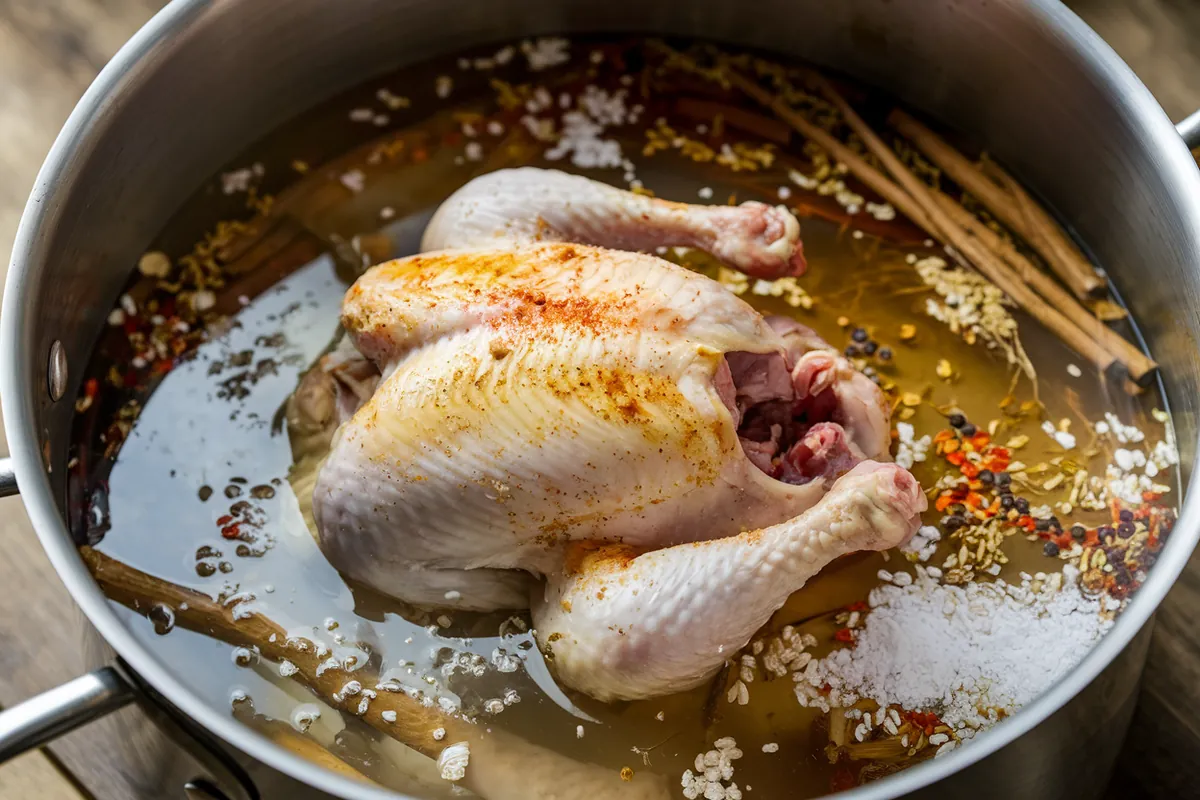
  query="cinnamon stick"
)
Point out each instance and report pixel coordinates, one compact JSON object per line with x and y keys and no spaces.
{"x":974,"y":251}
{"x":501,"y":766}
{"x":1137,"y":362}
{"x":913,"y":199}
{"x":1010,"y":204}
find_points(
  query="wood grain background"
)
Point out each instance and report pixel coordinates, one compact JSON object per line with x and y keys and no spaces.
{"x":51,"y":49}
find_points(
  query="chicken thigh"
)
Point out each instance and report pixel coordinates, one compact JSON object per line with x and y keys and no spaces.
{"x":528,"y":419}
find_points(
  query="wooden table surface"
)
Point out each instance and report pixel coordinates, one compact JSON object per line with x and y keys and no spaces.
{"x":51,"y":49}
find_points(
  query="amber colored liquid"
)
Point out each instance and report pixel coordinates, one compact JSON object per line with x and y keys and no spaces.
{"x":189,"y":437}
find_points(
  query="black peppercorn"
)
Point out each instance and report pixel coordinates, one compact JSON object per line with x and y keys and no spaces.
{"x":968,"y":429}
{"x":953,"y":522}
{"x":1022,"y":505}
{"x":859,"y":335}
{"x":986,"y":477}
{"x":885,"y":354}
{"x":1078,"y":533}
{"x":1125,"y":530}
{"x":1042,"y":525}
{"x":1126,"y":515}
{"x":1007,"y":501}
{"x":851,"y":350}
{"x":870,"y":347}
{"x":1003,"y":480}
{"x":1050,"y":549}
{"x":1105,"y":532}
{"x":957,"y":420}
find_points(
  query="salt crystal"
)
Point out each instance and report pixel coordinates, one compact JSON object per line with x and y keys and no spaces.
{"x":959,"y":648}
{"x":453,"y":760}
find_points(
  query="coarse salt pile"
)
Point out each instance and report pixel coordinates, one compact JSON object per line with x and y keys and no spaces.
{"x":713,"y":778}
{"x":965,"y":652}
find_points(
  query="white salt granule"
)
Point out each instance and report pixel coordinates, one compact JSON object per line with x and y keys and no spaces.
{"x":304,"y":715}
{"x":959,"y":648}
{"x":546,"y":52}
{"x":453,"y":761}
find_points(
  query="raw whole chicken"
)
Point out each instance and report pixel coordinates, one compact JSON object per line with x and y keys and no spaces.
{"x":527,"y":417}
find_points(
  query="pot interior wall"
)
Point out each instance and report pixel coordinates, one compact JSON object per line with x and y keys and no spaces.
{"x":1097,"y":149}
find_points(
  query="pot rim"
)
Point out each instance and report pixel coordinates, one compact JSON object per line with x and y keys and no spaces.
{"x":72,"y":143}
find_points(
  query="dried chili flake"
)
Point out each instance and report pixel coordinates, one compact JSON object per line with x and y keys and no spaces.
{"x":844,"y":635}
{"x":842,"y":779}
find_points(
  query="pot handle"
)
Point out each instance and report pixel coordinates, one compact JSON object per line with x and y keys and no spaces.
{"x":1189,"y":130}
{"x":8,"y":478}
{"x":62,"y":709}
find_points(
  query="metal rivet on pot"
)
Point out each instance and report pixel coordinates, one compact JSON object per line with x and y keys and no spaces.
{"x":57,"y":371}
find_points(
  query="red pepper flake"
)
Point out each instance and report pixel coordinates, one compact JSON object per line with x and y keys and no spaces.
{"x":942,"y":436}
{"x":970,"y":470}
{"x":980,"y":440}
{"x":1025,"y":521}
{"x":974,"y":499}
{"x":231,"y":531}
{"x":859,"y":606}
{"x":844,"y":635}
{"x":957,"y":459}
{"x":225,"y":520}
{"x":162,"y":367}
{"x":944,"y":501}
{"x":842,"y":779}
{"x":91,"y":388}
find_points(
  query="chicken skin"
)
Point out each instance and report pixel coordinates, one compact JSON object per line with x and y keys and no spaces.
{"x":528,"y":418}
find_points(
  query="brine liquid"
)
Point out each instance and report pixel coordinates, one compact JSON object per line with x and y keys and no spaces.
{"x":206,"y":453}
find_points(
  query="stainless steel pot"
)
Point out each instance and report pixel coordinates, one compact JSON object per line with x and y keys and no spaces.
{"x":203,"y":79}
